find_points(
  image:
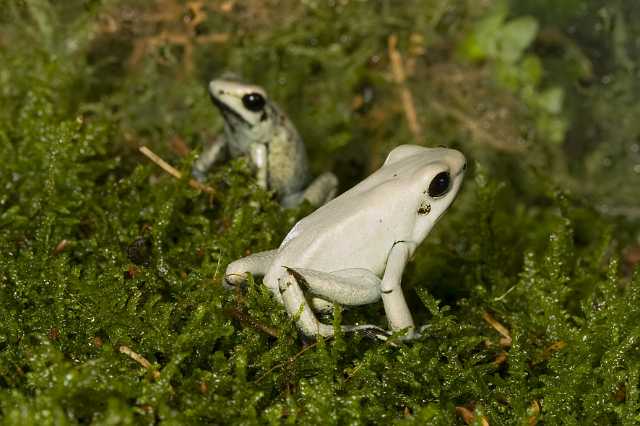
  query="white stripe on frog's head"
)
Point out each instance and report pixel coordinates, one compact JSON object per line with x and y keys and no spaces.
{"x":246,"y":108}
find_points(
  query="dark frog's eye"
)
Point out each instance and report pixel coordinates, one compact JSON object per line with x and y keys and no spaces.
{"x":253,"y":102}
{"x":440,"y":185}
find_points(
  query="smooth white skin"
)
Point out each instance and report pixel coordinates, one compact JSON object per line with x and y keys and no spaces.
{"x":271,"y":142}
{"x":353,"y":250}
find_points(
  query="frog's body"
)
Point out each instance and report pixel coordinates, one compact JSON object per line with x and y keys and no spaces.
{"x":352,"y":251}
{"x":255,"y":127}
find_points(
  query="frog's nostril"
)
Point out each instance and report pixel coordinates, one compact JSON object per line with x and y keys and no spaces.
{"x":464,"y":166}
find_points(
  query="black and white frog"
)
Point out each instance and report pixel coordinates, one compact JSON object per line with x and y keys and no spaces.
{"x":255,"y":127}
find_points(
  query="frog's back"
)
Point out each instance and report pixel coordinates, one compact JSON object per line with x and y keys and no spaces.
{"x":288,"y":163}
{"x":355,"y":230}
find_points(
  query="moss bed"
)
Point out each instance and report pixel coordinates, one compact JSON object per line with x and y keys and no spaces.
{"x":111,"y":304}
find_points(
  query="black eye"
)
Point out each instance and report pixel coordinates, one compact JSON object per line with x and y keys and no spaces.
{"x":253,"y":102}
{"x":439,"y":185}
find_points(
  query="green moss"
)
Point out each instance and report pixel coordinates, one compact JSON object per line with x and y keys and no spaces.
{"x":101,"y":251}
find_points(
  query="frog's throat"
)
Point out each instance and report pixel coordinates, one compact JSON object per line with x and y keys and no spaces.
{"x":226,"y":110}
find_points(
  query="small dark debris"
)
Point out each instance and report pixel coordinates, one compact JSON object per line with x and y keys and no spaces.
{"x":139,"y":251}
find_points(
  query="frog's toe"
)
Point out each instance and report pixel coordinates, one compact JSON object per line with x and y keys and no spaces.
{"x":233,"y":280}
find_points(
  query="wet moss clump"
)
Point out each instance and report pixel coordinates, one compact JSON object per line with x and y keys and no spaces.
{"x":111,"y":304}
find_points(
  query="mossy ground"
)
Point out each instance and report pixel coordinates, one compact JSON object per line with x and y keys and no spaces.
{"x":101,"y":251}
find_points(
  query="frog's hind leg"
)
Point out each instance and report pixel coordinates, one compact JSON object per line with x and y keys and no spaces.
{"x":359,"y":287}
{"x":321,"y":190}
{"x":349,"y":287}
{"x":255,"y":264}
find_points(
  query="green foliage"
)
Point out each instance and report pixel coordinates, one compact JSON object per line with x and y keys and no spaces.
{"x":504,"y":42}
{"x":102,"y":254}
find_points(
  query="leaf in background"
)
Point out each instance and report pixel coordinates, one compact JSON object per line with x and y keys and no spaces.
{"x":515,"y":36}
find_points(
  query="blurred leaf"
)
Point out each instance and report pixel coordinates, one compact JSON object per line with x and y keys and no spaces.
{"x":515,"y":36}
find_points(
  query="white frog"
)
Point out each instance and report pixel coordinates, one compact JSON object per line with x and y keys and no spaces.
{"x":353,"y":250}
{"x":255,"y":127}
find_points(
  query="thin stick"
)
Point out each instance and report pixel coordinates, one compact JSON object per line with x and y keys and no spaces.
{"x":60,"y":247}
{"x":506,"y":335}
{"x":139,"y":359}
{"x":172,"y":170}
{"x":399,"y":75}
{"x":246,"y":319}
{"x":469,"y":416}
{"x":535,"y":410}
{"x":290,"y":360}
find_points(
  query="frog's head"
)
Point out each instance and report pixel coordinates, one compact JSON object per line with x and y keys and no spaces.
{"x":434,"y":178}
{"x":248,"y":114}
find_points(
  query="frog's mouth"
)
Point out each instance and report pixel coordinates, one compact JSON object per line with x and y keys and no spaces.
{"x":229,"y":113}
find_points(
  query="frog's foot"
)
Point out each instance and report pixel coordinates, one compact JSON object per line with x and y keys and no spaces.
{"x":255,"y":264}
{"x":319,"y":192}
{"x":211,"y":154}
{"x":349,"y":287}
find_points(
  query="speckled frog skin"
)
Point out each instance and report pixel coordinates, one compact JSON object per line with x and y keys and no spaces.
{"x":353,"y":250}
{"x":255,"y":127}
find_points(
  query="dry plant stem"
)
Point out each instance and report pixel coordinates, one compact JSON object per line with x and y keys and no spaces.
{"x":139,"y":359}
{"x":501,"y":358}
{"x":399,"y":76}
{"x":246,"y":319}
{"x":60,"y":247}
{"x":172,"y":170}
{"x":469,"y":416}
{"x":506,"y":335}
{"x":535,"y":410}
{"x":554,"y":347}
{"x":290,"y":360}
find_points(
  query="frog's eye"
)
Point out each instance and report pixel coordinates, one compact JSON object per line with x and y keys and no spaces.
{"x":253,"y":102}
{"x":439,"y":185}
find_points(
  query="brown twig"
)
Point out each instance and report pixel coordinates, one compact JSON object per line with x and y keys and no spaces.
{"x":501,"y":358}
{"x":62,"y":245}
{"x":554,"y":347}
{"x":535,"y":412}
{"x":506,"y":335}
{"x":139,"y":359}
{"x":469,"y":416}
{"x":289,"y":361}
{"x":246,"y":319}
{"x":399,"y":76}
{"x":173,"y":171}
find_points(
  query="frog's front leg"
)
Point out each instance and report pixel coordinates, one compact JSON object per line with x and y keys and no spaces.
{"x":259,"y":157}
{"x":211,"y":154}
{"x":255,"y":264}
{"x":395,"y":306}
{"x":320,"y":191}
{"x":349,"y":287}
